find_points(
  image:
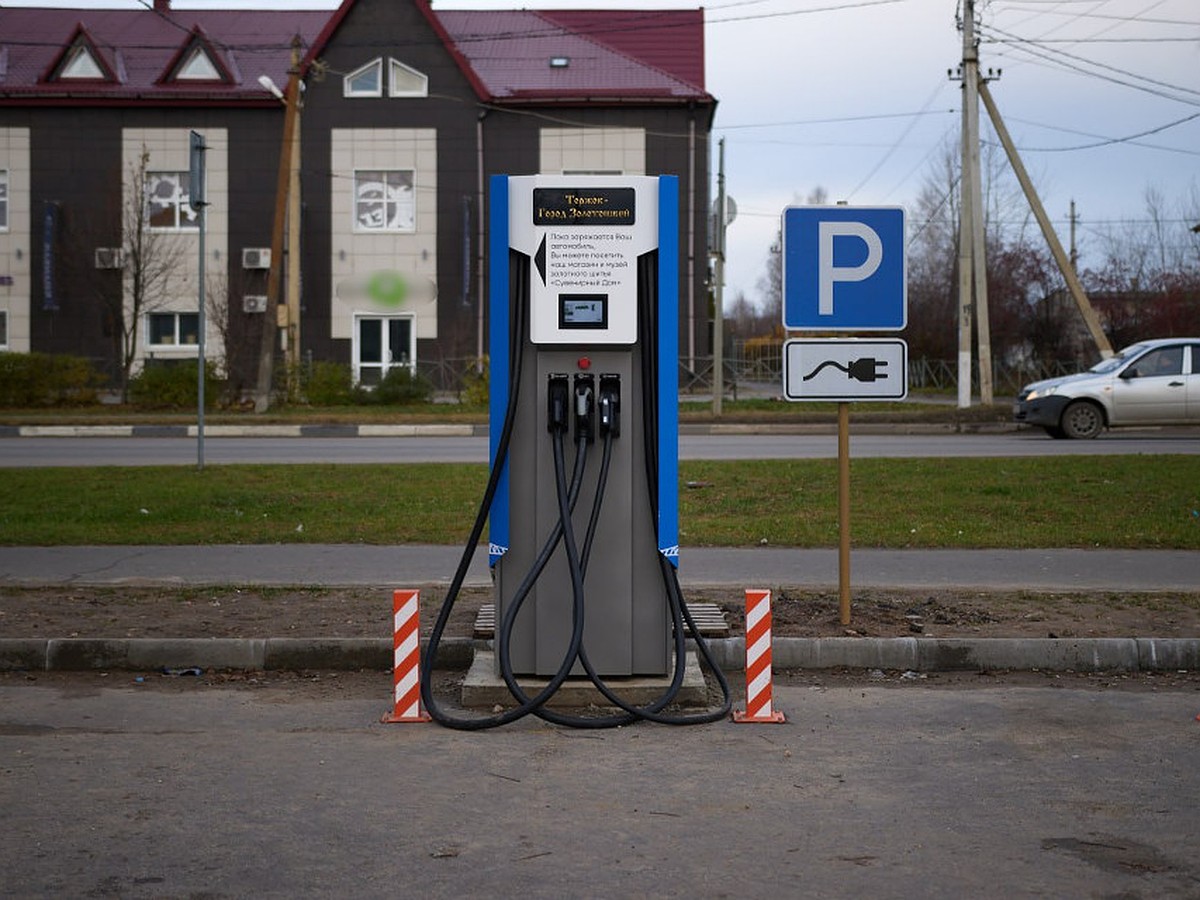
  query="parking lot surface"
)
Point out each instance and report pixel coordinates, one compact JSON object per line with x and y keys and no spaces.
{"x":289,"y":786}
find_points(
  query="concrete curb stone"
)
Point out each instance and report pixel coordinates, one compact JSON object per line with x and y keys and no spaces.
{"x":902,"y":654}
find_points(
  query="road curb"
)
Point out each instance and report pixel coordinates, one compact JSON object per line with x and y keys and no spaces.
{"x":479,"y":429}
{"x":903,"y":654}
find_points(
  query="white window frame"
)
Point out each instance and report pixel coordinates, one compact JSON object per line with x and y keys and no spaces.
{"x":5,"y":191}
{"x":81,"y":65}
{"x":175,"y":342}
{"x":348,"y":80}
{"x":384,"y":227}
{"x":185,"y":218}
{"x":393,"y":91}
{"x":198,"y":66}
{"x":393,"y":361}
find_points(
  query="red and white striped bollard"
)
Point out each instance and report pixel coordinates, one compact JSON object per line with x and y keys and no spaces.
{"x":406,"y":659}
{"x":758,"y":661}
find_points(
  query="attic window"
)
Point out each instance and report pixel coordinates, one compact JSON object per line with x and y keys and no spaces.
{"x":364,"y":82}
{"x":559,"y":62}
{"x":198,"y":67}
{"x":80,"y":64}
{"x":405,"y":81}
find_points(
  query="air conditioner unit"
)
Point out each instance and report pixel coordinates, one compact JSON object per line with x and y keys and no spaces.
{"x":254,"y":303}
{"x":109,"y":258}
{"x":256,"y":257}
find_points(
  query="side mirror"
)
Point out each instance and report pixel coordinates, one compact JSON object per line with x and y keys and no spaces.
{"x":1130,"y":372}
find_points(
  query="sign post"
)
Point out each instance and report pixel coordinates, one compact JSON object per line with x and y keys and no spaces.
{"x":844,"y":269}
{"x":198,"y":202}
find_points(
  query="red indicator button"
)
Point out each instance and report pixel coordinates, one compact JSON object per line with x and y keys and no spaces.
{"x":585,"y":362}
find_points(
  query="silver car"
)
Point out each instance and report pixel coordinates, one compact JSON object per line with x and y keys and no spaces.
{"x":1148,"y":383}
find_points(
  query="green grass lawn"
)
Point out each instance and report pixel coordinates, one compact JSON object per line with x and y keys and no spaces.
{"x":1111,"y":501}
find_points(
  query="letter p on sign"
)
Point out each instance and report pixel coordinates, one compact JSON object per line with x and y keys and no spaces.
{"x":828,"y":272}
{"x":844,"y":269}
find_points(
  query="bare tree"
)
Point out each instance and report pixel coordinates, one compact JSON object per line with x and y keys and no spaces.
{"x":152,"y":261}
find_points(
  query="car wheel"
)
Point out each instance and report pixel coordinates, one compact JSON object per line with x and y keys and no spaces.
{"x":1082,"y":419}
{"x":1055,"y":432}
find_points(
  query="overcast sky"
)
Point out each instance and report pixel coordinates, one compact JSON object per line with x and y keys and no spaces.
{"x":1103,"y":97}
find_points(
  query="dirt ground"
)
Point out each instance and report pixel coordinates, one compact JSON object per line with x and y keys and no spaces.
{"x":139,"y":612}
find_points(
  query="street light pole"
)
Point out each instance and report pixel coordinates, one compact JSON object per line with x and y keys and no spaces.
{"x":271,"y":323}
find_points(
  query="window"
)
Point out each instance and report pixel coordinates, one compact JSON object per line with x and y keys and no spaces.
{"x":3,"y":327}
{"x":80,"y":64}
{"x":383,"y":200}
{"x":198,"y":67}
{"x":167,"y":206}
{"x":1163,"y":361}
{"x":364,"y":82}
{"x":173,"y":329}
{"x":3,"y":199}
{"x":382,"y":343}
{"x":404,"y":81}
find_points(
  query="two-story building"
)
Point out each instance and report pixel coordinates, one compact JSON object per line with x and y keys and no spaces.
{"x":404,"y":113}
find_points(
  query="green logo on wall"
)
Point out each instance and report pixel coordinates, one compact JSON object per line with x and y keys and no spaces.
{"x":387,"y":288}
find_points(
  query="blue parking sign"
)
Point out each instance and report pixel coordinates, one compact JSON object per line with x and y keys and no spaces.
{"x":844,"y":268}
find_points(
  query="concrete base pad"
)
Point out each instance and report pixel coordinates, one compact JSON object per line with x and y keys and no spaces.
{"x":483,"y":688}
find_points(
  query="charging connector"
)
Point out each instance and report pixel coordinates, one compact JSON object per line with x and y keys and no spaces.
{"x":610,"y":405}
{"x":558,"y":404}
{"x":867,"y":369}
{"x":585,"y":407}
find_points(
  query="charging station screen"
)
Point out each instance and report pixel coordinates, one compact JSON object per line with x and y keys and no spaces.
{"x":582,"y":310}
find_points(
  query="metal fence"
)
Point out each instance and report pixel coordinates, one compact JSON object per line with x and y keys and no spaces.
{"x":763,"y":366}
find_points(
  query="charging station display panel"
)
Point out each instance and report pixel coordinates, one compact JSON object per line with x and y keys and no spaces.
{"x":584,"y":236}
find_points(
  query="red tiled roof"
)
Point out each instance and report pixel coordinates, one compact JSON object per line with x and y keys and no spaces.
{"x":619,"y":53}
{"x":139,"y":46}
{"x":612,"y":54}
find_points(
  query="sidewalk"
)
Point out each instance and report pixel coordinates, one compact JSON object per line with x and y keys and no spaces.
{"x":409,"y":565}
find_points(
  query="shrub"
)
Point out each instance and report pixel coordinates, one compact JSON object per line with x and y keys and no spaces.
{"x":44,"y":379}
{"x":400,"y":387}
{"x":173,"y":386}
{"x":475,"y":385}
{"x":328,"y":384}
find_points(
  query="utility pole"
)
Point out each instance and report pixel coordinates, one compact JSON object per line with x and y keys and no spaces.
{"x":972,"y":264}
{"x":1039,"y":212}
{"x":1074,"y":252}
{"x":292,"y":282}
{"x":718,"y":375}
{"x":271,"y":318}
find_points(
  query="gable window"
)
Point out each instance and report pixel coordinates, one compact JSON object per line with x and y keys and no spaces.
{"x":3,"y":199}
{"x":173,"y":329}
{"x":198,"y":67}
{"x":364,"y":82}
{"x":80,"y":64}
{"x":384,"y":200}
{"x":404,"y":81}
{"x":167,"y":206}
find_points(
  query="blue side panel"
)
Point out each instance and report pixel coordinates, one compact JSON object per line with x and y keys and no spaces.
{"x":668,"y":367}
{"x":498,"y":367}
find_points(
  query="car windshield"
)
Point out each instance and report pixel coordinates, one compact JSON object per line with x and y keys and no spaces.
{"x":1107,"y":365}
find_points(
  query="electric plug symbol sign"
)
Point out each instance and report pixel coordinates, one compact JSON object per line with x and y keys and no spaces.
{"x":867,"y":369}
{"x":845,"y":369}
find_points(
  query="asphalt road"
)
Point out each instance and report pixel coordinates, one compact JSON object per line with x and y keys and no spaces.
{"x":146,"y":451}
{"x":290,"y":787}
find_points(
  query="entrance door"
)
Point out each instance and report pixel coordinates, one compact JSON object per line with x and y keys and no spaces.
{"x":382,"y":343}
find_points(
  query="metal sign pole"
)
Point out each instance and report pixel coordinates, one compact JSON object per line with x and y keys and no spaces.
{"x":196,"y":192}
{"x":844,"y":512}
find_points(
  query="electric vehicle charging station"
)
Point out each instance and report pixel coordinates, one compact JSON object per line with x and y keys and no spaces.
{"x":584,"y":286}
{"x":584,"y":343}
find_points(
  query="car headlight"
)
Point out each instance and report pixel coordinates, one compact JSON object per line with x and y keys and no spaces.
{"x":1043,"y":392}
